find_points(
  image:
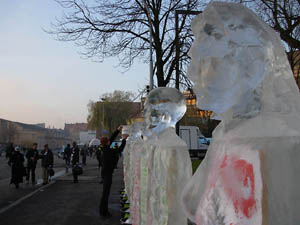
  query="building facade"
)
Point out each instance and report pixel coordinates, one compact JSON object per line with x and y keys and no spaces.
{"x":73,"y":130}
{"x":25,"y":135}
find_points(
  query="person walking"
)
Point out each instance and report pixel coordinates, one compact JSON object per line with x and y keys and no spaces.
{"x":91,"y":151}
{"x":108,"y":162}
{"x":75,"y":161}
{"x":67,"y":156}
{"x":32,"y":157}
{"x":47,"y":163}
{"x":83,"y":153}
{"x":16,"y":161}
{"x":98,"y":155}
{"x":9,"y":150}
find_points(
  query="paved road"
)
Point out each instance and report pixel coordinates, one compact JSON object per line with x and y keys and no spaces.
{"x":64,"y":203}
{"x":8,"y":192}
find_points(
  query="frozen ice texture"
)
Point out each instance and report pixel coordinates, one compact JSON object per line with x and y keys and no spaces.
{"x":135,"y":132}
{"x":163,"y":165}
{"x":163,"y":108}
{"x":171,"y":170}
{"x":250,"y":175}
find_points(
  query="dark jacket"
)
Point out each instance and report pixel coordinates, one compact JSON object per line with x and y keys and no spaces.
{"x":109,"y":155}
{"x":84,"y":151}
{"x":9,"y":150}
{"x":47,"y":158}
{"x":17,"y":167}
{"x":67,"y":153}
{"x":75,"y":155}
{"x":32,"y":157}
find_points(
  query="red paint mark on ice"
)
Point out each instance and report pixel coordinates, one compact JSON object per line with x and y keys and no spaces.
{"x":236,"y":179}
{"x":237,"y":176}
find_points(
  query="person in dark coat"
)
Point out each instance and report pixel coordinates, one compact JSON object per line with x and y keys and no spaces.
{"x":47,"y":163}
{"x":67,"y":156}
{"x":32,"y":157}
{"x":98,"y":155}
{"x":16,"y":161}
{"x":9,"y":150}
{"x":75,"y":161}
{"x":84,"y":153}
{"x":108,"y":165}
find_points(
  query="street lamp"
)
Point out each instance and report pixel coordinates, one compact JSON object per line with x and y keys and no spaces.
{"x":150,"y":42}
{"x":103,"y":100}
{"x":177,"y":53}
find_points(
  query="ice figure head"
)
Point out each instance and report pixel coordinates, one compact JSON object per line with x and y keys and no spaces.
{"x":164,"y":107}
{"x":232,"y":54}
{"x":135,"y":130}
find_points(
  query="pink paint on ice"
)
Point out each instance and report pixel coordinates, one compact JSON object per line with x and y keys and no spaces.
{"x":135,"y":209}
{"x":242,"y":177}
{"x":236,"y":177}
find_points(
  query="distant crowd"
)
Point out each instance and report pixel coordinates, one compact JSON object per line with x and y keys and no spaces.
{"x":23,"y":163}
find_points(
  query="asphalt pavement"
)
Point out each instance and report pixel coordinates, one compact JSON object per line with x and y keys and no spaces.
{"x":61,"y":202}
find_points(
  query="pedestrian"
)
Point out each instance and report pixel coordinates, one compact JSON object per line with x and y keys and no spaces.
{"x":9,"y":150}
{"x":32,"y":157}
{"x":16,"y":161}
{"x":67,"y":156}
{"x":47,"y":163}
{"x":98,"y":155}
{"x":108,"y":163}
{"x":75,"y":161}
{"x":83,"y":153}
{"x":91,"y":151}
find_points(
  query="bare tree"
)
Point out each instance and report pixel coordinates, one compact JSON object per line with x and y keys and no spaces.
{"x":282,"y":15}
{"x":105,"y":28}
{"x":294,"y":59}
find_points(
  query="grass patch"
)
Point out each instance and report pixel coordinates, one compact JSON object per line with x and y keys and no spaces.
{"x":195,"y":164}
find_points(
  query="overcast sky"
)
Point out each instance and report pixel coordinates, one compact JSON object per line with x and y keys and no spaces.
{"x":43,"y":80}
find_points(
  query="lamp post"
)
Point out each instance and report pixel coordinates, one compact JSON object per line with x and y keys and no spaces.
{"x":150,"y":42}
{"x":177,"y":51}
{"x":103,"y":112}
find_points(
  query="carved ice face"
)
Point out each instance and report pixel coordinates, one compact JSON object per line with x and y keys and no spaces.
{"x":135,"y":130}
{"x":164,"y":107}
{"x":228,"y":58}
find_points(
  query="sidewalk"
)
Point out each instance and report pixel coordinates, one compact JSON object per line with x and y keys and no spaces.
{"x":9,"y":194}
{"x":65,"y":203}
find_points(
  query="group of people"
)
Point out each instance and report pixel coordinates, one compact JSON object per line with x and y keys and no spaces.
{"x":16,"y":160}
{"x":106,"y":154}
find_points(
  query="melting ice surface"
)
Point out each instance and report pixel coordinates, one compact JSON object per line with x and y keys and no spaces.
{"x":162,"y":164}
{"x":241,"y":72}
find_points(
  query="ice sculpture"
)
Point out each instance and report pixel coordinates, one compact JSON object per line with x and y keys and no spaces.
{"x":165,"y":165}
{"x":128,"y":154}
{"x":250,"y":175}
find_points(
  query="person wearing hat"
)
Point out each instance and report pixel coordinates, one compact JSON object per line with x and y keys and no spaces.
{"x":32,"y":157}
{"x":17,"y":167}
{"x":47,"y":162}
